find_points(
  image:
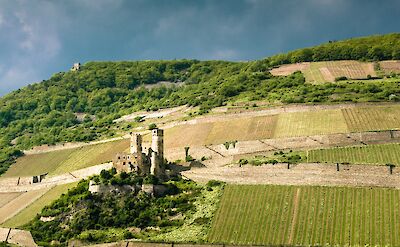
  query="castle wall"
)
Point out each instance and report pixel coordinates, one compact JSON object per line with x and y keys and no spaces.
{"x":157,"y":156}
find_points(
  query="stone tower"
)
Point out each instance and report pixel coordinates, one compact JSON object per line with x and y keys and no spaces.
{"x":157,"y":155}
{"x":136,"y":143}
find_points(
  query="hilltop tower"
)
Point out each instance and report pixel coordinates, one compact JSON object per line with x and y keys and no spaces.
{"x":136,"y":143}
{"x":157,"y":155}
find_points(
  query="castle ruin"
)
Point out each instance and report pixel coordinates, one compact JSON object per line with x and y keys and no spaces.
{"x":151,"y":162}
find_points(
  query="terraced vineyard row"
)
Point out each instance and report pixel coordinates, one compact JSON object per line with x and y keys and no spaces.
{"x":372,"y":118}
{"x":293,"y":215}
{"x":372,"y":154}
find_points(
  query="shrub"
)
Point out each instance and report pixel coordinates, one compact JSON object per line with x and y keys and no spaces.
{"x":213,"y":183}
{"x":341,"y":78}
{"x":152,"y":126}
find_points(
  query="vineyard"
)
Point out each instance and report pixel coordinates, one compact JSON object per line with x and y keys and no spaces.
{"x":318,"y":72}
{"x":59,"y":162}
{"x":304,"y":216}
{"x":390,"y":66}
{"x":372,"y":118}
{"x":310,"y":123}
{"x":245,"y":128}
{"x":372,"y":154}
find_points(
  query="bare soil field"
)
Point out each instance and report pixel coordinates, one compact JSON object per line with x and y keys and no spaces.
{"x":21,"y":238}
{"x":17,"y":237}
{"x":8,"y":197}
{"x":288,"y":69}
{"x":390,"y":66}
{"x":19,"y":203}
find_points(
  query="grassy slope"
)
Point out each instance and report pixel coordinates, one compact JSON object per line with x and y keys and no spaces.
{"x":36,"y":207}
{"x":63,"y":161}
{"x":279,"y":215}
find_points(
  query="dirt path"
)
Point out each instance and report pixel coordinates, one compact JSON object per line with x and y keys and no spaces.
{"x":295,"y":212}
{"x":301,"y":174}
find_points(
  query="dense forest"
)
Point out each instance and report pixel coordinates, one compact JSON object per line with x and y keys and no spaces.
{"x":46,"y":112}
{"x":371,"y":48}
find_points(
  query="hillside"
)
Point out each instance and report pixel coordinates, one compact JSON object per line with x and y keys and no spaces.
{"x":377,"y":48}
{"x":46,"y":112}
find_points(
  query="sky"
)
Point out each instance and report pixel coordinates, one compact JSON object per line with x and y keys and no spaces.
{"x":41,"y":37}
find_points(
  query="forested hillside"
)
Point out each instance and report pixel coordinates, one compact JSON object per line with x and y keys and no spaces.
{"x":376,"y":48}
{"x":45,"y":112}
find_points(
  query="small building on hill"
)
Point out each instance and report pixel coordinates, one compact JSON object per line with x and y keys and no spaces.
{"x":76,"y":67}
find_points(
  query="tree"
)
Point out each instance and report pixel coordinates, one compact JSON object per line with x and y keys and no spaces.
{"x":152,"y":126}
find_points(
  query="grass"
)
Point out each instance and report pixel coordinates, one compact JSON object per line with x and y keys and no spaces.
{"x":307,"y":216}
{"x":36,"y":207}
{"x":310,"y":123}
{"x":372,"y":118}
{"x":313,"y":73}
{"x":59,"y":162}
{"x":372,"y":154}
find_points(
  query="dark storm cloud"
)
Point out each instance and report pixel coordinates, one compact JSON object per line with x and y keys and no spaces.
{"x":39,"y":38}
